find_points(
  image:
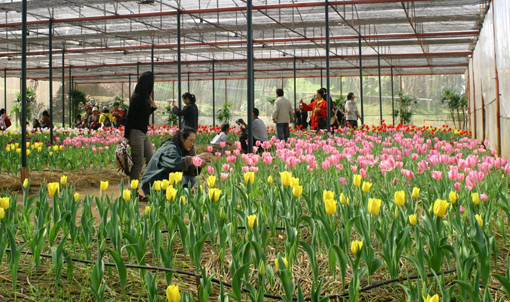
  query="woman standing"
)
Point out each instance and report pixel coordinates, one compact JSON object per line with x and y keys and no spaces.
{"x":189,"y":112}
{"x":45,"y":120}
{"x":319,"y":109}
{"x":140,"y":109}
{"x":351,"y":111}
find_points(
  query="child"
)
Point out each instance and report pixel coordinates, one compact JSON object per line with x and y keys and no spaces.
{"x":220,"y":142}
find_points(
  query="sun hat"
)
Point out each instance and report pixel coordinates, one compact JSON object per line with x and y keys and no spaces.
{"x":95,"y":109}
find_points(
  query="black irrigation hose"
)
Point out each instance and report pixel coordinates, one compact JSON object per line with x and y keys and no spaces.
{"x":275,"y":297}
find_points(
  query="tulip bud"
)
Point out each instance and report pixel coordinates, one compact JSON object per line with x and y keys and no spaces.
{"x":53,"y":187}
{"x":374,"y":206}
{"x":262,"y":268}
{"x":453,"y":197}
{"x":435,"y":298}
{"x":412,"y":219}
{"x":126,"y":194}
{"x":4,"y":203}
{"x":297,"y":191}
{"x":157,"y":185}
{"x":475,"y":197}
{"x":172,"y":293}
{"x":270,"y":180}
{"x":479,"y":219}
{"x":147,"y":210}
{"x":2,"y":213}
{"x":76,"y":196}
{"x":366,"y":186}
{"x":210,"y":181}
{"x":357,"y":180}
{"x":63,"y":180}
{"x":440,"y":207}
{"x":356,"y":246}
{"x":25,"y":183}
{"x":134,"y":184}
{"x":183,"y":200}
{"x":400,"y":198}
{"x":104,"y":185}
{"x":416,"y":192}
{"x":251,"y":220}
{"x":284,"y":259}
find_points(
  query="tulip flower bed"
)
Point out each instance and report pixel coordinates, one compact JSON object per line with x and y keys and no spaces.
{"x":317,"y":218}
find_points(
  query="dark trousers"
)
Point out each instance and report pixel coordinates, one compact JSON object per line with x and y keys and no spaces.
{"x":282,"y":131}
{"x":353,"y":123}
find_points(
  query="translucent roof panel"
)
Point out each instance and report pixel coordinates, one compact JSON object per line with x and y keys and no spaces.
{"x":105,"y":41}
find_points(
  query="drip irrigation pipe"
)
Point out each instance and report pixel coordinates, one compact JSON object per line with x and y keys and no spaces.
{"x":275,"y":297}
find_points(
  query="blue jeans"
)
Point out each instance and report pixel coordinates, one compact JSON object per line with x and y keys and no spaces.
{"x":282,"y":131}
{"x":188,"y":181}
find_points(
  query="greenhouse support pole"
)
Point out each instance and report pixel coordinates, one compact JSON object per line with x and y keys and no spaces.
{"x":5,"y":89}
{"x":341,"y":88}
{"x":392,"y":98}
{"x":328,"y":84}
{"x":70,"y":95}
{"x":137,"y":71}
{"x":188,"y":82}
{"x":63,"y":89}
{"x":380,"y":87}
{"x":322,"y":85}
{"x":129,"y":88}
{"x":295,"y":91}
{"x":250,"y":76}
{"x":361,"y":80}
{"x":50,"y":74}
{"x":24,"y":168}
{"x":179,"y":75}
{"x":152,"y":70}
{"x":213,"y":97}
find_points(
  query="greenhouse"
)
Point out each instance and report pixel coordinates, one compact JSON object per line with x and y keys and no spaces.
{"x":254,"y":150}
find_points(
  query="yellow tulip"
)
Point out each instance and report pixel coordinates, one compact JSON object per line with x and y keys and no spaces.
{"x":435,"y":298}
{"x":18,"y":150}
{"x":201,"y":189}
{"x":157,"y":185}
{"x":171,"y":193}
{"x":39,"y":149}
{"x":8,"y":148}
{"x":104,"y":185}
{"x":164,"y":184}
{"x":55,"y":148}
{"x":413,"y":219}
{"x":172,"y":293}
{"x":147,"y":210}
{"x":51,"y":153}
{"x":270,"y":180}
{"x":284,"y":261}
{"x":28,"y":152}
{"x":134,"y":184}
{"x":76,"y":196}
{"x":63,"y":180}
{"x":126,"y":194}
{"x":374,"y":206}
{"x":294,"y":181}
{"x":357,"y":180}
{"x":286,"y":178}
{"x":183,"y":200}
{"x":53,"y":187}
{"x":416,"y":192}
{"x":440,"y":207}
{"x":453,"y":197}
{"x":343,"y":200}
{"x":400,"y":198}
{"x":2,"y":213}
{"x":61,"y":147}
{"x":178,"y":177}
{"x":251,"y":220}
{"x":4,"y":203}
{"x":28,"y":144}
{"x":297,"y":190}
{"x":366,"y":186}
{"x":330,"y":206}
{"x":25,"y":183}
{"x":327,"y":195}
{"x":475,"y":197}
{"x":478,"y":218}
{"x":210,"y":181}
{"x":171,"y":179}
{"x":214,"y":194}
{"x":356,"y":246}
{"x":249,"y":177}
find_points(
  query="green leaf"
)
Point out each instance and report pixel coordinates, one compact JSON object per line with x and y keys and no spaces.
{"x":121,"y":268}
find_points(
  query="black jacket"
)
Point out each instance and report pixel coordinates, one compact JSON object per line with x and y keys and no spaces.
{"x":189,"y":114}
{"x":138,"y":115}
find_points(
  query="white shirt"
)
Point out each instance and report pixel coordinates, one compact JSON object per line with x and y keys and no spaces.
{"x":259,"y":130}
{"x":220,"y":137}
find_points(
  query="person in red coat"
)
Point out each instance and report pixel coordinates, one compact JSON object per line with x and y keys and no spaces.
{"x":319,"y":109}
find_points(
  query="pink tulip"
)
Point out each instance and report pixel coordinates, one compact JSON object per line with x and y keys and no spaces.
{"x":342,"y":180}
{"x":354,"y":168}
{"x":395,"y":180}
{"x":325,"y":165}
{"x":462,"y":210}
{"x":210,"y":169}
{"x":197,"y":161}
{"x":292,"y":162}
{"x":414,"y":156}
{"x":268,"y":160}
{"x":484,"y":197}
{"x":246,"y":169}
{"x":339,"y":167}
{"x":237,"y":152}
{"x":227,"y":153}
{"x":457,"y":186}
{"x":254,"y":169}
{"x":224,"y":176}
{"x":226,"y":167}
{"x":209,"y":148}
{"x":222,"y":144}
{"x":217,"y":154}
{"x":437,"y":175}
{"x":363,"y":173}
{"x":507,"y":169}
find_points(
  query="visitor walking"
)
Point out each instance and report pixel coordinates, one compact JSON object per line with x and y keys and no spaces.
{"x":351,"y":111}
{"x":189,"y":112}
{"x":282,"y":115}
{"x":140,"y":109}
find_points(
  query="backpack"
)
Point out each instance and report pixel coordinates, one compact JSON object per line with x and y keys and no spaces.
{"x":123,"y":158}
{"x":107,"y":122}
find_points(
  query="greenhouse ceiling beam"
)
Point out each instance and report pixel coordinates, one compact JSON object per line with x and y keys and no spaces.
{"x":207,"y":11}
{"x":283,"y":76}
{"x":258,"y":41}
{"x":265,"y":70}
{"x":289,"y":58}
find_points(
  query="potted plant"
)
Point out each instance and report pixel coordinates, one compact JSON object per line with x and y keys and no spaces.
{"x":404,"y":109}
{"x":31,"y":99}
{"x":457,"y":104}
{"x":224,"y":113}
